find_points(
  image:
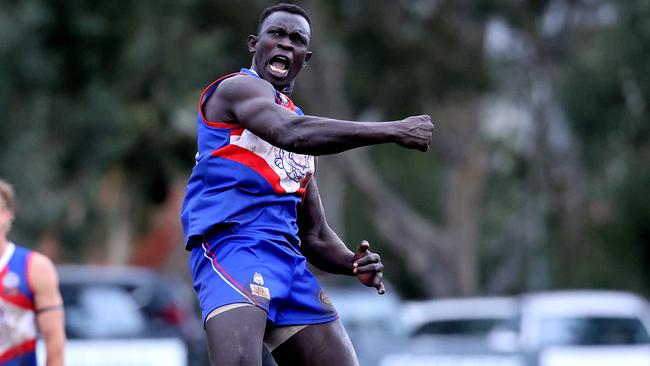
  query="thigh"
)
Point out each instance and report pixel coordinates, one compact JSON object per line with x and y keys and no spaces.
{"x":318,"y":345}
{"x":235,"y":336}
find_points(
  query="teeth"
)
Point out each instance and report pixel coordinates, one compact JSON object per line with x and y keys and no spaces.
{"x":277,"y":70}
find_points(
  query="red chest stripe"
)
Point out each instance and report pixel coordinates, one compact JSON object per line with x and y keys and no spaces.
{"x":17,"y":299}
{"x":253,"y":161}
{"x":25,"y":347}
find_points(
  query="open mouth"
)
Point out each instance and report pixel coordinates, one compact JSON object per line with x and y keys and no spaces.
{"x":279,"y":66}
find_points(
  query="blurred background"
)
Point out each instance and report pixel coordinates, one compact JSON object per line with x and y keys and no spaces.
{"x":538,"y":173}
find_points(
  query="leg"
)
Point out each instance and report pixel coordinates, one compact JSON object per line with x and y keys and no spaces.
{"x":235,"y":337}
{"x":318,"y":345}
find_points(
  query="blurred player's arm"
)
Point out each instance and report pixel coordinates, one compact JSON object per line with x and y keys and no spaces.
{"x":325,"y":250}
{"x":49,"y":307}
{"x":251,"y":102}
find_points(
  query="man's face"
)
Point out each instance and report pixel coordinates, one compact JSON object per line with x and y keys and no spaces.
{"x":281,"y":48}
{"x":6,"y":217}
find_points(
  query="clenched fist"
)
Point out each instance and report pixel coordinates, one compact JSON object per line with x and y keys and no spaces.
{"x":415,"y":132}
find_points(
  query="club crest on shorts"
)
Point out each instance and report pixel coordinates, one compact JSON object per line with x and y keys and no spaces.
{"x":322,"y":296}
{"x":258,"y":279}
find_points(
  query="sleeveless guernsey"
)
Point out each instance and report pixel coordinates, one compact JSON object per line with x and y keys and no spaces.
{"x":240,"y":180}
{"x":17,"y":317}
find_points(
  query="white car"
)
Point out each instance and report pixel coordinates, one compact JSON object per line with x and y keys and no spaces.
{"x":575,"y":328}
{"x":468,"y":317}
{"x":453,"y":331}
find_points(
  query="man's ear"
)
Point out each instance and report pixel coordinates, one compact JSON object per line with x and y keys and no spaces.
{"x":251,"y":43}
{"x":307,"y":58}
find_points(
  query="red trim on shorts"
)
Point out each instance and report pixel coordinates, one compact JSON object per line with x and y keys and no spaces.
{"x":253,"y":161}
{"x":25,"y":347}
{"x":223,"y":272}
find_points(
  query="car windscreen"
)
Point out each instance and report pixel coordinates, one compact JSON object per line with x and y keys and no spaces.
{"x":458,"y":327}
{"x":595,"y":330}
{"x":101,"y":312}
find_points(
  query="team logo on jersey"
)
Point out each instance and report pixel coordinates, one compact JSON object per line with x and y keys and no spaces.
{"x":258,"y":279}
{"x":283,"y":99}
{"x":11,"y":280}
{"x":296,"y":166}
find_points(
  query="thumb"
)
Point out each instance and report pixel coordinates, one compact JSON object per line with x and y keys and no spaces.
{"x":380,"y":288}
{"x":363,"y":247}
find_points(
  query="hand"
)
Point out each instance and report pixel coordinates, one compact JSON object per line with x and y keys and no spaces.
{"x":415,"y":132}
{"x":368,"y":267}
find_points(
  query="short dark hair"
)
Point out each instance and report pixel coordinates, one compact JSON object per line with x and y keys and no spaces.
{"x":289,"y":8}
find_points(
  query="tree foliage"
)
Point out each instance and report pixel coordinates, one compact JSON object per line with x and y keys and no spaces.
{"x":98,"y":100}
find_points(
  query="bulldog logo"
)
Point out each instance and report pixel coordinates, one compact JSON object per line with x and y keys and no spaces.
{"x":296,"y":166}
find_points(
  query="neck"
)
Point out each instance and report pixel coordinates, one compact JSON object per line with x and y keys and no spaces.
{"x":287,"y":90}
{"x":4,"y":243}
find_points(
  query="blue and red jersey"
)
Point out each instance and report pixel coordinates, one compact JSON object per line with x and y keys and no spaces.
{"x":17,"y":312}
{"x":240,"y":180}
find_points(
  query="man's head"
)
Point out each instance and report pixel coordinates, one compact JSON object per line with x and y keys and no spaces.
{"x":6,"y":207}
{"x":280,"y":48}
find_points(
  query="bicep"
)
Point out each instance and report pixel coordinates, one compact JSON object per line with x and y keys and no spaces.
{"x":45,"y":282}
{"x":47,"y":297}
{"x":311,"y":216}
{"x":252,"y":104}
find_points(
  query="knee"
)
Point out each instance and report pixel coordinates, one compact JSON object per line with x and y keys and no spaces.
{"x":239,"y":357}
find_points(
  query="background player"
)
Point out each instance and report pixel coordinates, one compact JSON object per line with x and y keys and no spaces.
{"x":252,"y":210}
{"x":29,"y":298}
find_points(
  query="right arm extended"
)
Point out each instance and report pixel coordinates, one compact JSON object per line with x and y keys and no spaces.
{"x":251,"y":102}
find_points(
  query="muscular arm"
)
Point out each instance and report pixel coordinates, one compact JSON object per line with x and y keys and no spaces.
{"x":49,"y":307}
{"x":320,"y":244}
{"x":325,"y":250}
{"x":251,"y":102}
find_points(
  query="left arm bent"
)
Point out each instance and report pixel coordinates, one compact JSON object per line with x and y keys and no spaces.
{"x":49,"y":307}
{"x":325,"y":250}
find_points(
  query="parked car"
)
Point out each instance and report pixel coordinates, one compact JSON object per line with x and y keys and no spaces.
{"x":579,"y":328}
{"x":457,"y":322}
{"x":117,"y":315}
{"x":454,"y":331}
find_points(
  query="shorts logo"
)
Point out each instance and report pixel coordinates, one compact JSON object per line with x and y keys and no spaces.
{"x":322,"y":296}
{"x":261,"y":291}
{"x":258,"y":279}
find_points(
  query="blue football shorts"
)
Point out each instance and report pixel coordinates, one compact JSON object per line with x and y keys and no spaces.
{"x":232,"y":267}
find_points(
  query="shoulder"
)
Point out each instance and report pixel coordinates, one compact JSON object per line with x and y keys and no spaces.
{"x":42,"y":272}
{"x":241,"y":86}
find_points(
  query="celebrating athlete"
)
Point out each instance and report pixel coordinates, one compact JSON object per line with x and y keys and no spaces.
{"x":252,"y":214}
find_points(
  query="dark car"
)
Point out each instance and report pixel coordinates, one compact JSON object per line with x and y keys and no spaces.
{"x":108,"y":305}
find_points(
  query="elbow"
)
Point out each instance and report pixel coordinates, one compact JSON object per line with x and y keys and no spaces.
{"x":292,"y":141}
{"x":310,"y":245}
